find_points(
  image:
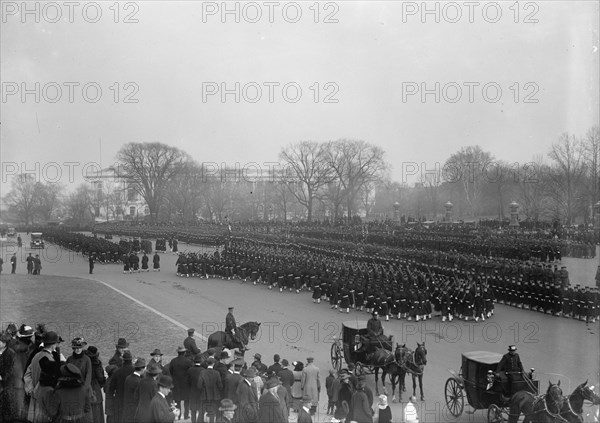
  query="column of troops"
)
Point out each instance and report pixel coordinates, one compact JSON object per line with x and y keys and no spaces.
{"x":401,"y":288}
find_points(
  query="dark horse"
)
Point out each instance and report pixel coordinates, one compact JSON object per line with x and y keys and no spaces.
{"x":572,"y":409}
{"x":246,"y":331}
{"x":386,"y":361}
{"x":540,"y":409}
{"x":413,"y":363}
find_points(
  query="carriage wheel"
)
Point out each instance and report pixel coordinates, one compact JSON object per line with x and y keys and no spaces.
{"x":454,"y":397}
{"x":495,"y":414}
{"x":336,"y":356}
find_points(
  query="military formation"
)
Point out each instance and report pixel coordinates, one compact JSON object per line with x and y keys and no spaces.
{"x":408,"y":280}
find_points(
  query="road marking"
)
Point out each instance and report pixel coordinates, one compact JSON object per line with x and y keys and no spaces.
{"x":153,"y":310}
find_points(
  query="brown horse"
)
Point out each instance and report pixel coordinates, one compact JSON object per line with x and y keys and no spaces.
{"x":540,"y":409}
{"x":572,"y":409}
{"x":246,"y":331}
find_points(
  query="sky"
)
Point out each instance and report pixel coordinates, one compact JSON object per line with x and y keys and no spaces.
{"x":419,"y":79}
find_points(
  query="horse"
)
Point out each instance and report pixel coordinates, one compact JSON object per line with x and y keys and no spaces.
{"x":540,"y":409}
{"x":245,"y":332}
{"x":413,"y":363}
{"x":572,"y":408}
{"x":386,"y":361}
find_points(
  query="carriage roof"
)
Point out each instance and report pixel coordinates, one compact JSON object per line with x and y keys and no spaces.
{"x":483,"y":357}
{"x":356,"y":325}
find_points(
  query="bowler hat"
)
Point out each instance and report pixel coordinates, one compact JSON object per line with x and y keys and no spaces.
{"x":250,"y":372}
{"x":156,"y":352}
{"x":50,"y":338}
{"x":122,"y":343}
{"x":227,"y":405}
{"x":153,"y":370}
{"x":165,"y":381}
{"x":70,"y":370}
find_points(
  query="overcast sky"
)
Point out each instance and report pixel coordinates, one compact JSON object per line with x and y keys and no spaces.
{"x":370,"y":62}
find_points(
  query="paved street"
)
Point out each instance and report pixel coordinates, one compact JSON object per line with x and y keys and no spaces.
{"x":294,"y":327}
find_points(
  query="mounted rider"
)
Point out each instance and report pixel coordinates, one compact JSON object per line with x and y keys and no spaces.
{"x":232,"y":330}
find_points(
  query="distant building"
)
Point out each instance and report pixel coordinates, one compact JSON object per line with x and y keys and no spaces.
{"x":114,"y":198}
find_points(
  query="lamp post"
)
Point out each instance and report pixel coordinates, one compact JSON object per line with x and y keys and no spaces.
{"x":514,"y":214}
{"x":448,"y":206}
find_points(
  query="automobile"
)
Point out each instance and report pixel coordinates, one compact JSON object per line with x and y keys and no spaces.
{"x":36,"y":240}
{"x":11,"y":232}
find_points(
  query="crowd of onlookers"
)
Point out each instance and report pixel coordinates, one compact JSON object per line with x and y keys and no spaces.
{"x":42,"y":382}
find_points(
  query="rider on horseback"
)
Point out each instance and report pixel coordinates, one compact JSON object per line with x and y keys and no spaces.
{"x":231,"y":330}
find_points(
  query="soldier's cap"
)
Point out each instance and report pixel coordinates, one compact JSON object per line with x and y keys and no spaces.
{"x":512,"y":348}
{"x":230,"y":308}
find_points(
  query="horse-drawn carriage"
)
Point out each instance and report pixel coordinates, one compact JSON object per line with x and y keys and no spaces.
{"x":347,"y":347}
{"x":472,"y":381}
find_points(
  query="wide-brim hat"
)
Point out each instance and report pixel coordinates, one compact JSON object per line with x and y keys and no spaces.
{"x":227,"y":405}
{"x":78,"y":343}
{"x":165,"y":381}
{"x":140,"y":363}
{"x":307,"y":399}
{"x":272,"y":383}
{"x":122,"y":343}
{"x":156,"y":352}
{"x":25,"y":332}
{"x":512,"y":348}
{"x":92,"y":352}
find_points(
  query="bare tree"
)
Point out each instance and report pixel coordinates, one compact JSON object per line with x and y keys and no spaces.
{"x":80,"y":205}
{"x":467,"y":168}
{"x":533,"y":188}
{"x":150,"y":167}
{"x":307,"y":165}
{"x":566,"y":175}
{"x":591,"y":147}
{"x":355,"y":163}
{"x":21,"y":198}
{"x":184,"y":193}
{"x":47,"y":199}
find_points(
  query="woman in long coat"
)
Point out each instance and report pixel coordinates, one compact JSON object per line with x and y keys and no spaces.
{"x":146,"y":390}
{"x":71,"y":400}
{"x":98,"y":381}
